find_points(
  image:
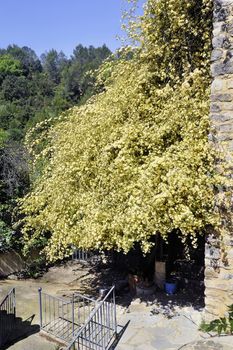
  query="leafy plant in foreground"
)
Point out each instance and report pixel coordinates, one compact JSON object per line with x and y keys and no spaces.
{"x":222,"y":325}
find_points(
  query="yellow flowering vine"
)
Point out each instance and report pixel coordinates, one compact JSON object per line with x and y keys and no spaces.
{"x":135,"y":159}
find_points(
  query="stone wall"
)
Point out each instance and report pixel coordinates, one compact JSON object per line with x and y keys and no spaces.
{"x":219,"y":252}
{"x":10,"y":262}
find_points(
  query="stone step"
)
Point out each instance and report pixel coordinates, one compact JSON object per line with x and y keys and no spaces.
{"x":33,"y":342}
{"x":14,"y":328}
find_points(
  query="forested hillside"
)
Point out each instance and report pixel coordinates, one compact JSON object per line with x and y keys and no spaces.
{"x":33,"y":89}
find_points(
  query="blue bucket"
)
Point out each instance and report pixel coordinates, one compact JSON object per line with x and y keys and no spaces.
{"x":170,"y":287}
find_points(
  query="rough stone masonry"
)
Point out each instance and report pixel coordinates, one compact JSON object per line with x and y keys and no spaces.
{"x":219,"y":248}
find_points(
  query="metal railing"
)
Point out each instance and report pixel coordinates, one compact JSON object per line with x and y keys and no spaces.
{"x":63,"y":317}
{"x":81,"y":255}
{"x":90,"y":256}
{"x":7,"y":316}
{"x":100,"y":327}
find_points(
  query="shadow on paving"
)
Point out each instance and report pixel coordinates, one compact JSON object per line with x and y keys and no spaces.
{"x":102,"y":275}
{"x":119,"y":336}
{"x":107,"y":275}
{"x":183,"y":298}
{"x":22,"y":329}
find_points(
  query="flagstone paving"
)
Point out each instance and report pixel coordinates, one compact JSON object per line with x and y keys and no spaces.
{"x":210,"y":345}
{"x":34,"y":342}
{"x":148,"y":328}
{"x":147,"y":332}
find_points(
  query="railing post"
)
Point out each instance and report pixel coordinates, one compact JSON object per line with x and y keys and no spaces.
{"x":14,"y":303}
{"x":40,"y":306}
{"x":72,"y":314}
{"x":114,"y":308}
{"x":73,"y":345}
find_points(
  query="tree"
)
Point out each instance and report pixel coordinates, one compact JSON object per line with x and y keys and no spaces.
{"x":27,"y":57}
{"x":53,"y":64}
{"x":30,"y":92}
{"x":15,"y":88}
{"x":78,"y":78}
{"x":3,"y":137}
{"x":13,"y":183}
{"x":9,"y":66}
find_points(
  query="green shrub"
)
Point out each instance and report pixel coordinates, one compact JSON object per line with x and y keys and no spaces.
{"x":222,"y":325}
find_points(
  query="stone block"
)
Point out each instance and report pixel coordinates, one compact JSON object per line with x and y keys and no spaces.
{"x":213,"y":294}
{"x":212,"y":240}
{"x":227,"y":106}
{"x":214,"y":108}
{"x":225,"y":128}
{"x":217,"y":69}
{"x":212,"y":252}
{"x":230,"y":253}
{"x":210,"y":273}
{"x":221,"y":117}
{"x":219,"y":284}
{"x":216,"y":55}
{"x":229,"y":265}
{"x":209,"y":316}
{"x":221,"y":41}
{"x":221,"y":13}
{"x":218,"y":27}
{"x":228,"y":67}
{"x":218,"y":85}
{"x":217,"y":309}
{"x":229,"y":28}
{"x":229,"y":83}
{"x":215,"y":297}
{"x":224,"y":137}
{"x":216,"y":301}
{"x":220,"y":68}
{"x":223,"y":97}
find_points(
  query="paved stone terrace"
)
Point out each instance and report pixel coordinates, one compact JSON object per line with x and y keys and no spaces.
{"x":148,"y":328}
{"x":155,"y":332}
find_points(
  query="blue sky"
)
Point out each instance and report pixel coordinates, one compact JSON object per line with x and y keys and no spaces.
{"x":60,"y":24}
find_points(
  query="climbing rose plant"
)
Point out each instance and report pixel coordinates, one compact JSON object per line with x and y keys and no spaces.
{"x":135,"y":159}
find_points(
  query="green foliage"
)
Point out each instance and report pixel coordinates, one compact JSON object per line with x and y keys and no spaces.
{"x":13,"y":183}
{"x":33,"y":90}
{"x":9,"y":66}
{"x":27,"y":58}
{"x":223,"y":325}
{"x":180,"y":42}
{"x":30,"y":92}
{"x":78,"y":78}
{"x":5,"y":236}
{"x":135,"y":159}
{"x":36,"y":268}
{"x":3,"y":137}
{"x":53,"y":64}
